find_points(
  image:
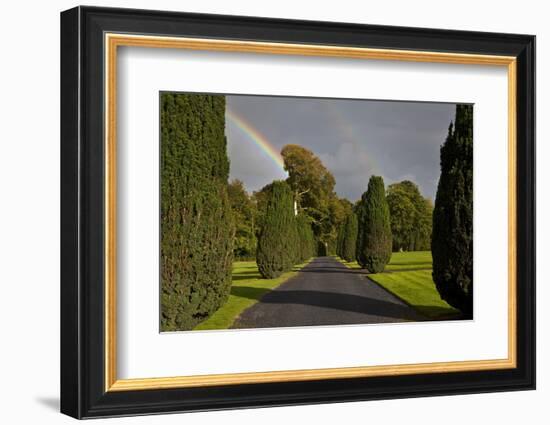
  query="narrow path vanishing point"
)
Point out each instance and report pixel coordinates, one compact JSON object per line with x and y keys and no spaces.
{"x":326,"y":292}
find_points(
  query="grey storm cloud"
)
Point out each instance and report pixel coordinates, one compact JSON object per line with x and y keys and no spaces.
{"x":354,"y":138}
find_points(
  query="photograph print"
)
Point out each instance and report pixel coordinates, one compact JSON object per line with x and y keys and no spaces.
{"x":291,"y":211}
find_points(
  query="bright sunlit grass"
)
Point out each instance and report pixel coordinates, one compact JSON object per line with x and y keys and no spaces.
{"x":414,"y":260}
{"x":417,"y":289}
{"x":247,"y":288}
{"x":409,"y":277}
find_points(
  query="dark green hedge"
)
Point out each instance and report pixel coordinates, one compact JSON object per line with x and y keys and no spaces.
{"x":197,"y":227}
{"x":349,"y":238}
{"x":306,"y":239}
{"x":340,"y":240}
{"x":452,"y":235}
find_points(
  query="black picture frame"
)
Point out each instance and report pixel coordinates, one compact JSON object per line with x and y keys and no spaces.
{"x":83,"y":392}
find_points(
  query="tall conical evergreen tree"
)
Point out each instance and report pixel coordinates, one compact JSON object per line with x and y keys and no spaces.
{"x":276,"y":251}
{"x":452,"y":235}
{"x":374,"y":238}
{"x":312,"y":244}
{"x":340,"y":240}
{"x":305,"y":238}
{"x":349,"y":239}
{"x":197,"y":227}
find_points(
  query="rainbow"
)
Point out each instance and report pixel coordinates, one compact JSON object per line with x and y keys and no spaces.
{"x":255,"y":136}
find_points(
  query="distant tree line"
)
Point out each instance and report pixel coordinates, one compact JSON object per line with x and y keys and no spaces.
{"x":245,"y":211}
{"x":314,"y":197}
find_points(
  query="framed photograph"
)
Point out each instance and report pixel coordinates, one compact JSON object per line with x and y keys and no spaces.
{"x":261,"y":212}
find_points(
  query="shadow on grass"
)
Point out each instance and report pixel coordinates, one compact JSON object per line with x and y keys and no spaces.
{"x":249,"y":292}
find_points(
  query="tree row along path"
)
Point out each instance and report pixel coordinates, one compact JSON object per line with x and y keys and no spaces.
{"x":326,"y":292}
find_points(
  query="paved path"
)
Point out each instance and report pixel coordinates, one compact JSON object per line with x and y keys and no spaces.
{"x":326,"y":292}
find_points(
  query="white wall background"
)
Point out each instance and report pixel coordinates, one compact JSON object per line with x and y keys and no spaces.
{"x":29,"y":213}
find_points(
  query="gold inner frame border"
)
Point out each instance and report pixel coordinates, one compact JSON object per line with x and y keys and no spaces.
{"x":111,"y":43}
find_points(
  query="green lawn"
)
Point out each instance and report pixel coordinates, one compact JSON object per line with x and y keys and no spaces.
{"x":248,"y":287}
{"x":409,"y":276}
{"x":415,"y":260}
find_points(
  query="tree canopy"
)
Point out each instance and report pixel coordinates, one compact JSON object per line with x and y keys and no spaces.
{"x":244,"y":211}
{"x":313,"y":187}
{"x":411,"y":217}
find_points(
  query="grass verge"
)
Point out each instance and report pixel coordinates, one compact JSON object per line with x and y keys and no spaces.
{"x":418,"y":290}
{"x":409,"y":277}
{"x":247,"y":289}
{"x":415,"y":260}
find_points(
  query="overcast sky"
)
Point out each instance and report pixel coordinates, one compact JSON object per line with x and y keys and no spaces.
{"x":354,"y":138}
